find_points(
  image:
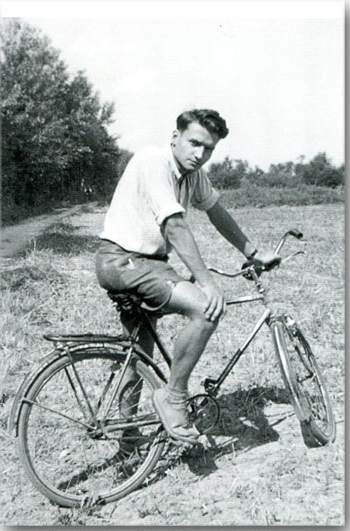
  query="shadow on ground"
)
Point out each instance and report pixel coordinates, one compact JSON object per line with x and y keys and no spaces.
{"x":242,"y":426}
{"x":61,"y":239}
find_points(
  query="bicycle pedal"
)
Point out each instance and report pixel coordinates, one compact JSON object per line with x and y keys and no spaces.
{"x":209,"y":384}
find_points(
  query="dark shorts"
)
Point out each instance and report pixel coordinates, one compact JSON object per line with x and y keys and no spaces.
{"x":150,"y":278}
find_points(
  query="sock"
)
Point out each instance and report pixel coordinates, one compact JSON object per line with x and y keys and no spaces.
{"x":176,"y":395}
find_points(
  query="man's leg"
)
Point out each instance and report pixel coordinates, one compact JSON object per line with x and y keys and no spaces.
{"x":146,"y":340}
{"x":131,"y":386}
{"x":170,"y":402}
{"x":188,"y":300}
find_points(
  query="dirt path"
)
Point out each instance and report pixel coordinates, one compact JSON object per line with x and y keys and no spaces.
{"x":15,"y":238}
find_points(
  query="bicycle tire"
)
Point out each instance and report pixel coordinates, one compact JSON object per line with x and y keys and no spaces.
{"x":305,"y":383}
{"x":62,"y":456}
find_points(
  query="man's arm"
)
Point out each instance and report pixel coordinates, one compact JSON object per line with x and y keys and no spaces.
{"x":179,"y":235}
{"x":228,"y":227}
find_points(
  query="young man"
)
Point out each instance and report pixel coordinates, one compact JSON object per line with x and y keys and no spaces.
{"x":145,"y":221}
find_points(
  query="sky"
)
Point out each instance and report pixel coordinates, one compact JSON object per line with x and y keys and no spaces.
{"x":274,"y":70}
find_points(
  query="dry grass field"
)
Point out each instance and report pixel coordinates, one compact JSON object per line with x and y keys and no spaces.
{"x":259,"y":471}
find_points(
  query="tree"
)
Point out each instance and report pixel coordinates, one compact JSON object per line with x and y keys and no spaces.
{"x":93,"y":152}
{"x":229,"y":173}
{"x":32,"y":77}
{"x":320,"y":171}
{"x":279,"y":175}
{"x":54,"y":129}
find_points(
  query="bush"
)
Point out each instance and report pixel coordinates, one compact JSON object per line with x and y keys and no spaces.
{"x":319,"y":171}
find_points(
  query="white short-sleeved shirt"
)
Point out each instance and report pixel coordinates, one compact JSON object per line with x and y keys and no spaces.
{"x":150,"y":190}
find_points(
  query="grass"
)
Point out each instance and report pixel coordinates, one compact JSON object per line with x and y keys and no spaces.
{"x":250,"y":194}
{"x":259,"y":472}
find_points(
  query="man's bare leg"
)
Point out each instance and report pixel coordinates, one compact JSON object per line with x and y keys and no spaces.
{"x":171,"y":401}
{"x":188,"y":300}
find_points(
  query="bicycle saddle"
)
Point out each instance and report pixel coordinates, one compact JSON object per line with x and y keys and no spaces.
{"x":128,"y":302}
{"x":124,"y":301}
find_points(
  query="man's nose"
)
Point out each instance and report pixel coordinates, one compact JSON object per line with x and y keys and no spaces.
{"x":199,"y":152}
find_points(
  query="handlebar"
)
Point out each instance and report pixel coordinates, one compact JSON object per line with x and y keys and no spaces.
{"x":249,"y":269}
{"x":292,"y":232}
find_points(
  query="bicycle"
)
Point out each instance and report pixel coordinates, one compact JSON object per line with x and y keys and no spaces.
{"x":82,"y":443}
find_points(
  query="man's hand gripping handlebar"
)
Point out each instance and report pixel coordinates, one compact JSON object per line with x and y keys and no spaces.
{"x":266,"y":262}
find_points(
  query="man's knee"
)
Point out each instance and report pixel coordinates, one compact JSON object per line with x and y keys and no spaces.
{"x":188,"y":300}
{"x":196,"y":314}
{"x":202,"y":321}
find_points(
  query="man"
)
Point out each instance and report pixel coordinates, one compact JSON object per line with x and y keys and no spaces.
{"x":145,"y":221}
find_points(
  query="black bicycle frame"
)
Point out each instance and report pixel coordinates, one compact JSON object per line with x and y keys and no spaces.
{"x":212,"y":386}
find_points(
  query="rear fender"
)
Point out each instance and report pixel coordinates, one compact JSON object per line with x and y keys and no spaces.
{"x":44,"y":363}
{"x":50,"y":358}
{"x":26,"y":384}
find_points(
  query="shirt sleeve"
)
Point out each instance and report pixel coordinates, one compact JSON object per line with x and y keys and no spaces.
{"x":159,"y":187}
{"x":204,"y":196}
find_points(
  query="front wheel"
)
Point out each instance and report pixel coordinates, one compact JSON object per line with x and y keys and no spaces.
{"x":304,"y":382}
{"x":74,"y":451}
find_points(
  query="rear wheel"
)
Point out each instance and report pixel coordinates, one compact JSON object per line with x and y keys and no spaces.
{"x":73,"y":452}
{"x":305,"y":383}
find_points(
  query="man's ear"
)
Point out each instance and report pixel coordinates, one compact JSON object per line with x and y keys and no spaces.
{"x":175,"y":135}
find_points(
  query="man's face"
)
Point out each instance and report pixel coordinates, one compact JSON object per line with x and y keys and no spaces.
{"x":193,"y":147}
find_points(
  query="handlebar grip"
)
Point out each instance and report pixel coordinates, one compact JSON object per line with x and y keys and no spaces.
{"x":260,"y":268}
{"x":296,"y":233}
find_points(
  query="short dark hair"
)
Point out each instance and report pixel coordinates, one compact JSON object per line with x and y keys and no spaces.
{"x":207,"y":118}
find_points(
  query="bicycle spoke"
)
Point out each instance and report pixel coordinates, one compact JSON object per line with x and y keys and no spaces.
{"x":305,"y":383}
{"x":74,"y":460}
{"x":116,"y":388}
{"x":310,"y":383}
{"x":81,"y":386}
{"x":81,"y":407}
{"x":35,"y":403}
{"x":91,"y":470}
{"x":104,"y":393}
